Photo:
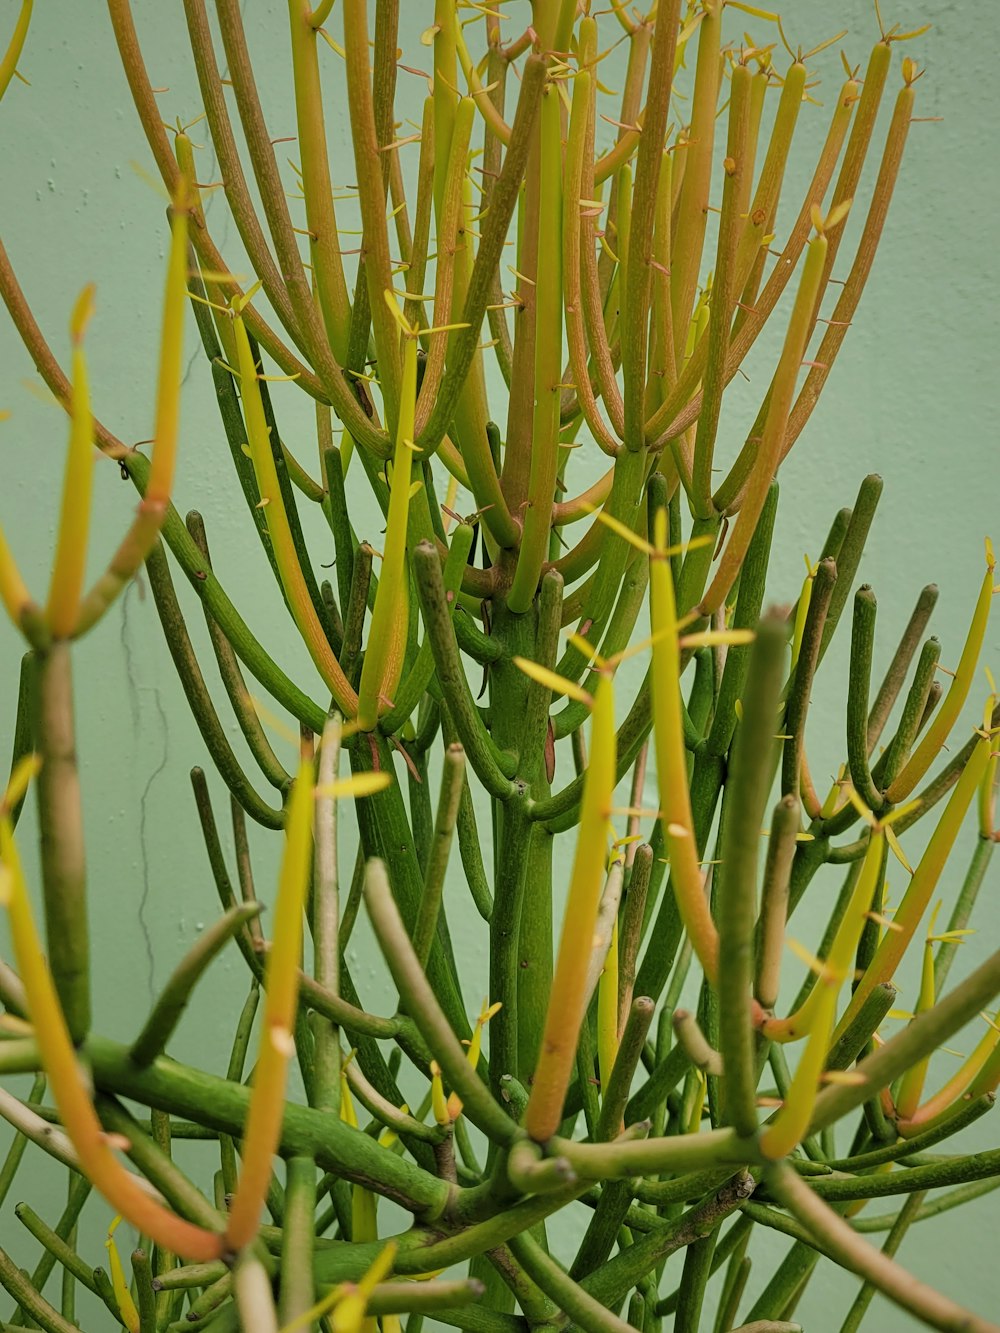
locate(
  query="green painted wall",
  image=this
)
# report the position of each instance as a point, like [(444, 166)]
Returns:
[(912, 398)]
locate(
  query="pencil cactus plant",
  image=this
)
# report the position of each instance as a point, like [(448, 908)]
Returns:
[(520, 303)]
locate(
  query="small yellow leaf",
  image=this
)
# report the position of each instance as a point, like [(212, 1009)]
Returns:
[(24, 771), (622, 529), (558, 684), (709, 637), (844, 1078), (897, 850), (360, 784)]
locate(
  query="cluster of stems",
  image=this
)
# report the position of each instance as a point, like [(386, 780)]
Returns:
[(522, 301)]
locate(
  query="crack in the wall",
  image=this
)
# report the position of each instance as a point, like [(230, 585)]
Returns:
[(136, 716)]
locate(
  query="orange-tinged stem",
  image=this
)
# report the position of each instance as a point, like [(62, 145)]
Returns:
[(692, 212), (281, 985), (72, 1098), (383, 663), (171, 370), (960, 1084), (843, 949), (921, 886), (74, 521), (791, 1123), (548, 364), (773, 436), (8, 65), (371, 199), (671, 759), (988, 1078), (911, 1085), (13, 590), (569, 984), (324, 245), (944, 719), (138, 541), (290, 571)]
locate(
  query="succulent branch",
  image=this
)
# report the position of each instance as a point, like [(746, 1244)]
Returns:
[(527, 358)]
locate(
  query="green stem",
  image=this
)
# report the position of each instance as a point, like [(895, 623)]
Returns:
[(774, 901), (859, 685), (196, 692), (34, 1305), (16, 1150), (869, 1018), (298, 1292), (145, 1294), (235, 685), (736, 886), (419, 677), (897, 751), (962, 910), (926, 1033), (488, 763), (638, 273), (615, 1278), (848, 1249), (234, 181), (724, 295), (585, 1311), (615, 1096), (321, 217), (803, 673), (849, 554), (175, 996), (420, 1001), (895, 676), (694, 1280), (944, 1203), (861, 1302), (60, 820), (79, 1193), (953, 1171), (50, 1240), (548, 367), (452, 782), (272, 194), (504, 199), (169, 1086)]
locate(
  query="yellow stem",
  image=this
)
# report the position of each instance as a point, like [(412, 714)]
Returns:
[(569, 984), (843, 949), (671, 759), (383, 663), (921, 886), (8, 66), (292, 580), (72, 1097), (281, 986), (791, 1123), (70, 565), (944, 719)]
